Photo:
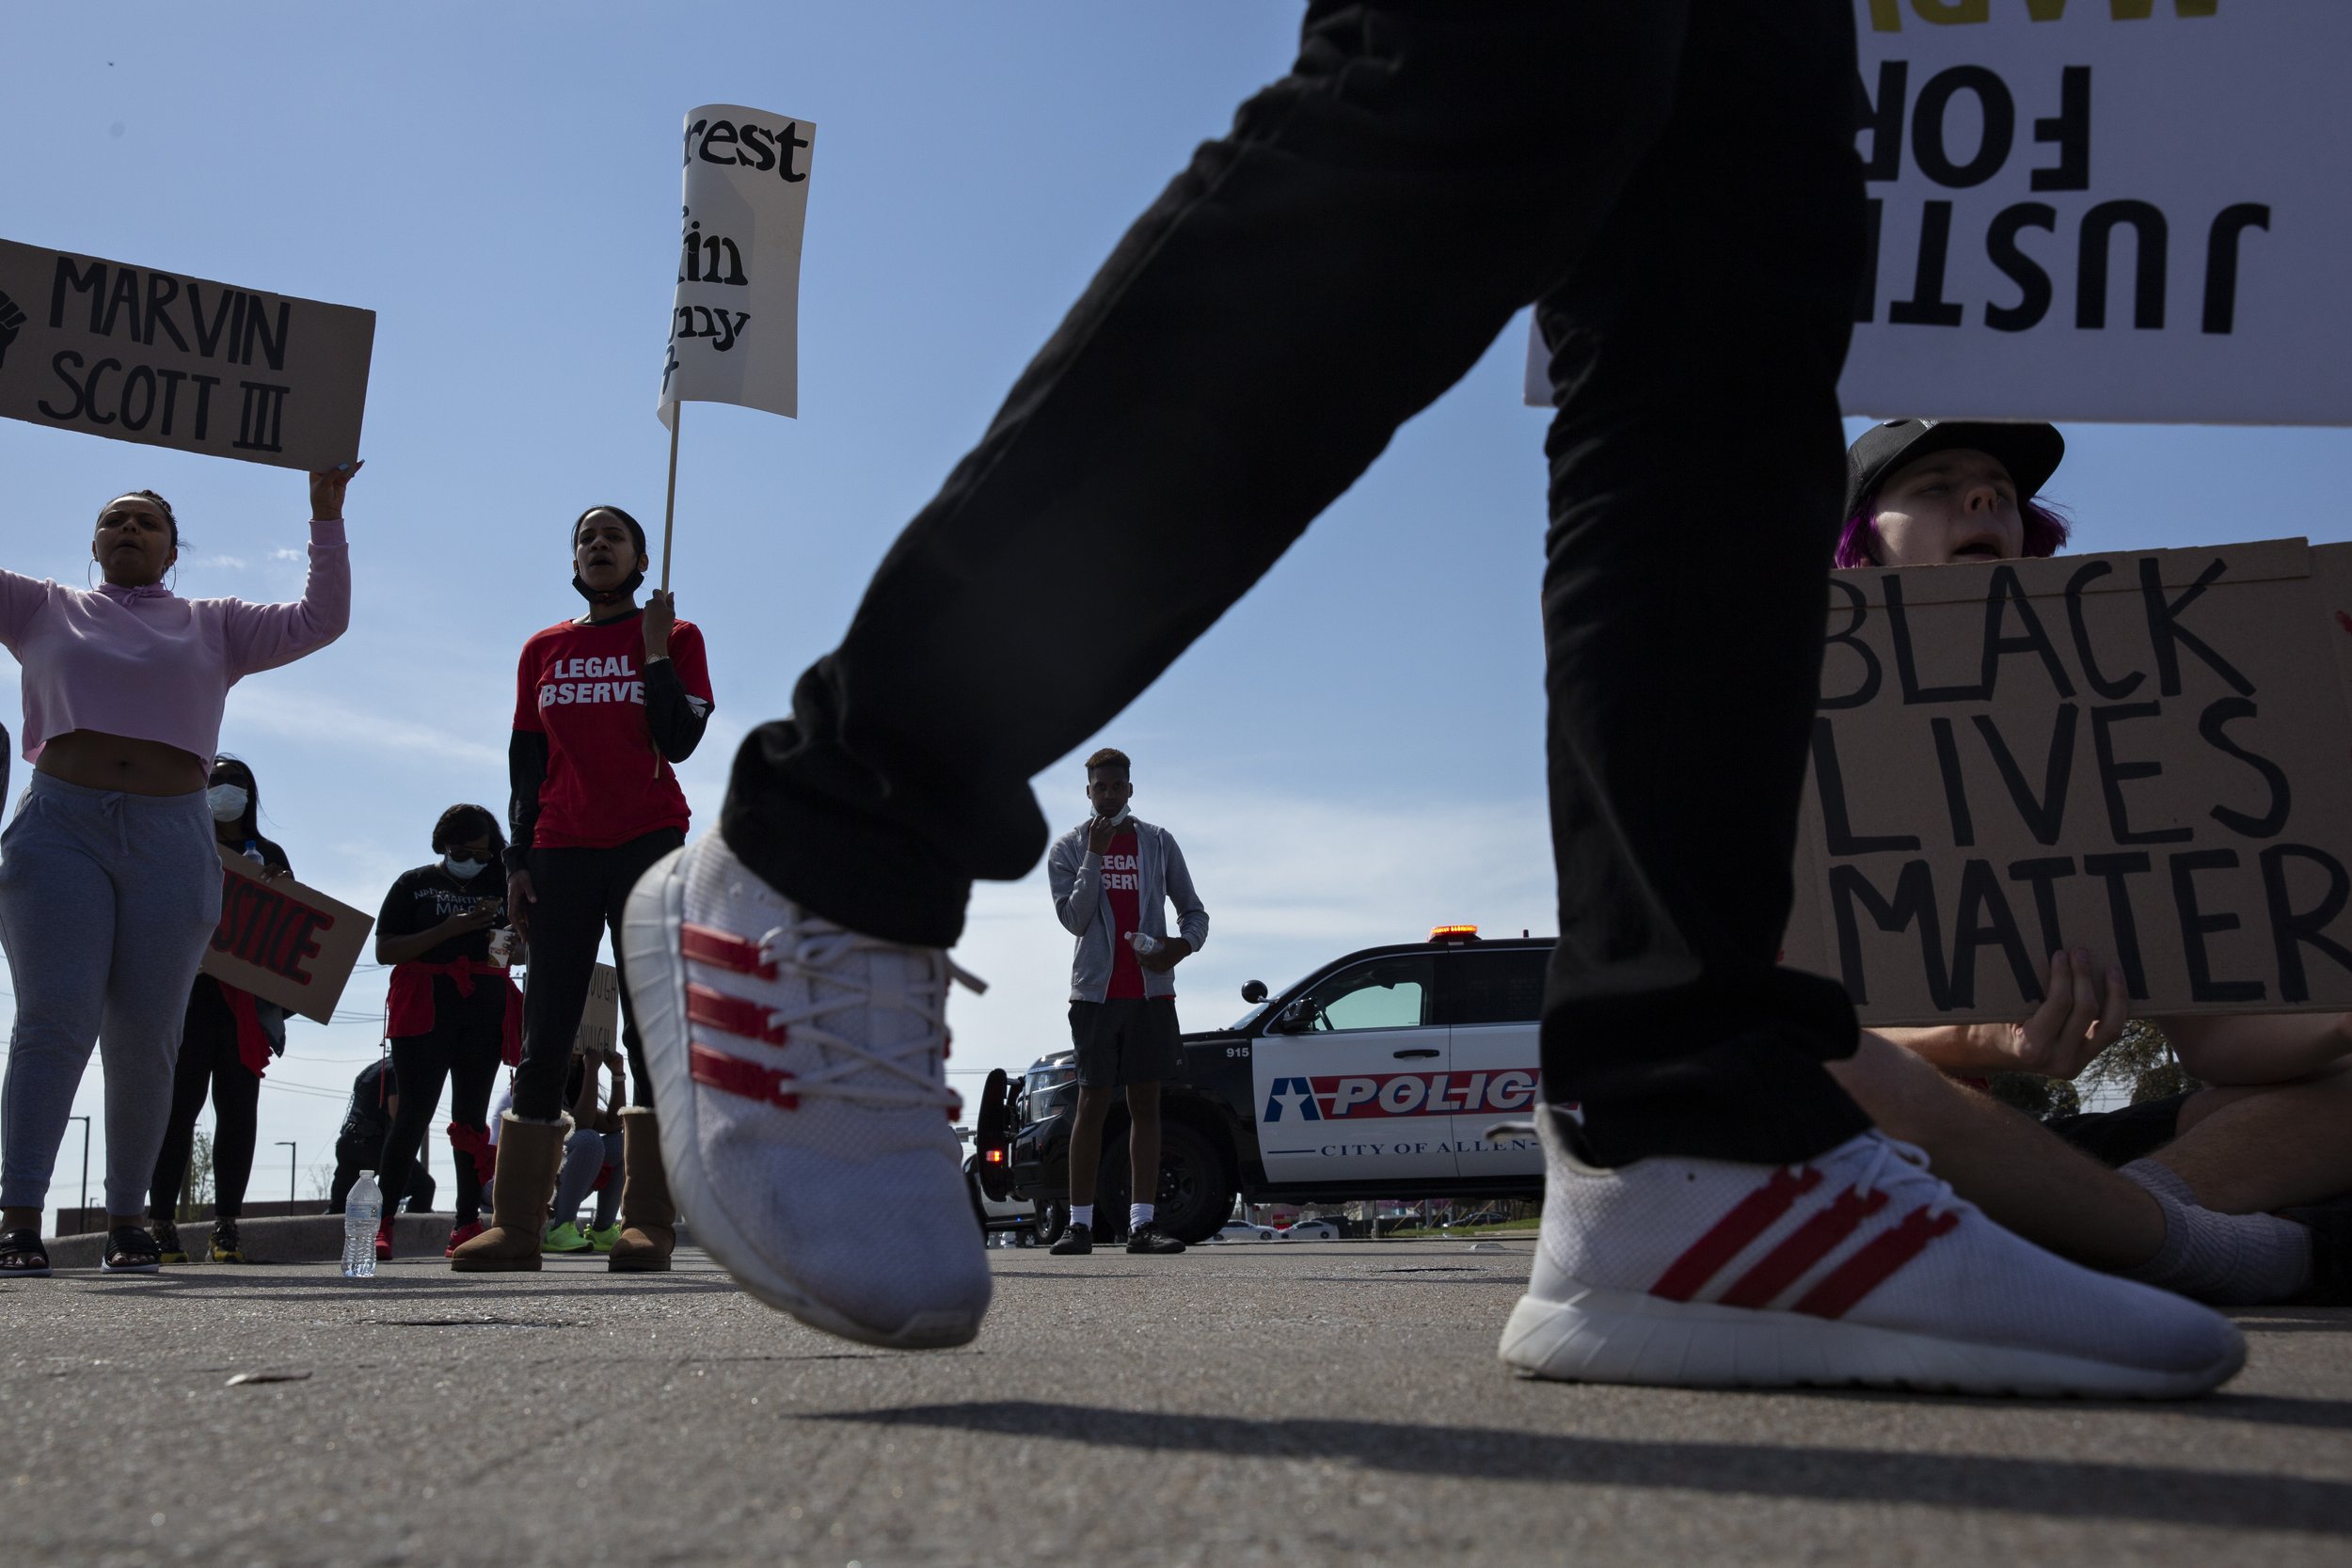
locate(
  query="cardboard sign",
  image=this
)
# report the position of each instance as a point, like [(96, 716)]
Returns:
[(2115, 210), (2146, 754), (137, 355), (284, 942), (600, 1020), (734, 332)]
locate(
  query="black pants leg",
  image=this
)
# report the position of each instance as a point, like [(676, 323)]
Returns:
[(420, 1064), (580, 896), (352, 1156), (1312, 282), (201, 1043), (236, 1125)]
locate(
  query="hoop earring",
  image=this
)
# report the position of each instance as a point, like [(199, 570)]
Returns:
[(173, 586), (89, 572)]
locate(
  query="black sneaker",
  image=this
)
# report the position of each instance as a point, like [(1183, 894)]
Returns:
[(1075, 1242), (130, 1250), (1151, 1238), (168, 1241), (226, 1247)]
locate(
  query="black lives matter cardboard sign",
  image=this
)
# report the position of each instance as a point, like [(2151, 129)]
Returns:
[(284, 942), (2146, 754), (139, 355)]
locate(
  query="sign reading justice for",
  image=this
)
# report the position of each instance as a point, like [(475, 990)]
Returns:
[(284, 942), (2145, 754)]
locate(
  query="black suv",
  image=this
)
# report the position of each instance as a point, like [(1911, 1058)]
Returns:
[(1377, 1076)]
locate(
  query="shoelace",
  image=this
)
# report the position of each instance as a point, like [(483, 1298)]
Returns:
[(1893, 1164), (812, 951)]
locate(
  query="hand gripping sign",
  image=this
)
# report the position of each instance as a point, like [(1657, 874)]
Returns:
[(284, 942), (2110, 210), (2146, 753), (136, 354)]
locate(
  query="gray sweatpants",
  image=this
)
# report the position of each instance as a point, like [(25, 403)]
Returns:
[(106, 904)]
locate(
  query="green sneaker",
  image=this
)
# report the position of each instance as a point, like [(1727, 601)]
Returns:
[(564, 1238), (602, 1239)]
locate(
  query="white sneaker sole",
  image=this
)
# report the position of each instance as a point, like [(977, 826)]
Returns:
[(656, 987), (1600, 1336)]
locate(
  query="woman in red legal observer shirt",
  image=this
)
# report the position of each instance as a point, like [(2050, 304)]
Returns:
[(603, 707), (454, 1012)]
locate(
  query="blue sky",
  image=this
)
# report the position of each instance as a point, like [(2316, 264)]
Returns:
[(1351, 756)]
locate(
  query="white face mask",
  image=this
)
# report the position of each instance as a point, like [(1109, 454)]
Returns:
[(226, 800), (465, 871)]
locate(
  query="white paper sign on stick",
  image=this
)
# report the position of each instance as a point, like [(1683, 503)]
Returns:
[(2126, 210), (734, 321)]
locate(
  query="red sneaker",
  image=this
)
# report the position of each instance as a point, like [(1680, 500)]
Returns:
[(384, 1240), (460, 1236)]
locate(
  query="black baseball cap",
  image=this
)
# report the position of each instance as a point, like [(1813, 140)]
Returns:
[(2030, 453)]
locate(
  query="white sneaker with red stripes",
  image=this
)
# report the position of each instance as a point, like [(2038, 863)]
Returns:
[(1856, 1267), (806, 1123)]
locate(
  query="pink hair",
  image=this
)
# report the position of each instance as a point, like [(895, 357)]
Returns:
[(2046, 530)]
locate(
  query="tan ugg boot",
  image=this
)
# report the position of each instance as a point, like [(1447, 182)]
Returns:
[(648, 1216), (530, 1155)]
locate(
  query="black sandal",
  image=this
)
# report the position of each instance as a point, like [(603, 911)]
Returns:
[(21, 1255), (130, 1249)]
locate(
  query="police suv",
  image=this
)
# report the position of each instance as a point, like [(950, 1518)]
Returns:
[(1377, 1076)]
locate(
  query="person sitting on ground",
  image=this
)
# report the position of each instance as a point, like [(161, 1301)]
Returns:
[(227, 1039), (2199, 1176), (592, 1160), (374, 1102)]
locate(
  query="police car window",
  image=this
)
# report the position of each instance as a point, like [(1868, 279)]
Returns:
[(1387, 993), (1495, 987)]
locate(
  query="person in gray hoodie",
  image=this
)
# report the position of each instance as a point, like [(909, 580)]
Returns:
[(1112, 876)]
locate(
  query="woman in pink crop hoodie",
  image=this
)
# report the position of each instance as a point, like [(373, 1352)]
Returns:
[(109, 882)]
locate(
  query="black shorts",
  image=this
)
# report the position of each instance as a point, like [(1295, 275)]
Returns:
[(2119, 1137), (1131, 1041)]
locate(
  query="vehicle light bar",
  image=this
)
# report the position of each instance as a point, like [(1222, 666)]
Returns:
[(1454, 933)]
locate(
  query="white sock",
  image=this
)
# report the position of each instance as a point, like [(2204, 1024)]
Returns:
[(1138, 1215), (2230, 1260), (1082, 1213)]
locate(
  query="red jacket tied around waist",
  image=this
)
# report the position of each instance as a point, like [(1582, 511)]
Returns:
[(411, 1009)]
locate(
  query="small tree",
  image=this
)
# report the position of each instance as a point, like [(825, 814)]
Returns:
[(196, 1190)]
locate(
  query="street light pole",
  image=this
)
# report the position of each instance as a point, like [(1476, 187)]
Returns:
[(287, 1143), (85, 1122)]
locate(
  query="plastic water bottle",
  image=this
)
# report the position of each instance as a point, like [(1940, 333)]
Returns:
[(362, 1211), (1142, 944)]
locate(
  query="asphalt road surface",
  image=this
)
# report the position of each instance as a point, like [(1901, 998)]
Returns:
[(1293, 1402)]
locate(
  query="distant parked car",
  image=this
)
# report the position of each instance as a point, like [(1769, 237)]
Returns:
[(1312, 1230), (1242, 1230)]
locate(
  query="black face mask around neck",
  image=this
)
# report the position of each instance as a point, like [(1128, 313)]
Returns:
[(614, 594)]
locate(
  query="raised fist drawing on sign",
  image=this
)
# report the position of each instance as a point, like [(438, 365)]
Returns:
[(10, 318)]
